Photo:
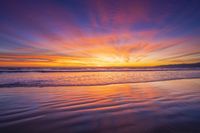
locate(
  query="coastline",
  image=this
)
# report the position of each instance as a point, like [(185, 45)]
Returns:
[(160, 106)]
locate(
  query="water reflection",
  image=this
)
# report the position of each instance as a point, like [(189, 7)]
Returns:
[(167, 106), (50, 79)]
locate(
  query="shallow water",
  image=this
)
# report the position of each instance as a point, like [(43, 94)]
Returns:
[(154, 107), (45, 79)]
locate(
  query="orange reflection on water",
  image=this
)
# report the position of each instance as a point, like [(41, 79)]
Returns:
[(124, 107)]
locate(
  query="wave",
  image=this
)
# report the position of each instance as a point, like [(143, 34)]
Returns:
[(49, 70), (18, 84), (35, 79)]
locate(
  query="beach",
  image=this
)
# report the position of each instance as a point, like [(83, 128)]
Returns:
[(100, 66), (170, 106)]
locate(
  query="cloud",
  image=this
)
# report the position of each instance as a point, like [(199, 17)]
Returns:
[(102, 32)]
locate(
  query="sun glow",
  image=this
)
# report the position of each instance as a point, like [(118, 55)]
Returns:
[(97, 35)]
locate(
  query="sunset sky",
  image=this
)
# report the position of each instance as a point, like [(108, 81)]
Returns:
[(80, 33)]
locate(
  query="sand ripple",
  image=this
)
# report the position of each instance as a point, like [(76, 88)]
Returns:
[(171, 106)]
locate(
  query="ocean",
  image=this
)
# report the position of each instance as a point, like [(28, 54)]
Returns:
[(99, 100)]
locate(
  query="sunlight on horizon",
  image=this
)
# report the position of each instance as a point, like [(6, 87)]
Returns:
[(100, 33)]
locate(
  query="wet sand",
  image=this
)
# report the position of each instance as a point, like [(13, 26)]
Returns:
[(153, 107)]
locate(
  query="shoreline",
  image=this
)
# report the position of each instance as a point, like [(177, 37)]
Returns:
[(99, 85)]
